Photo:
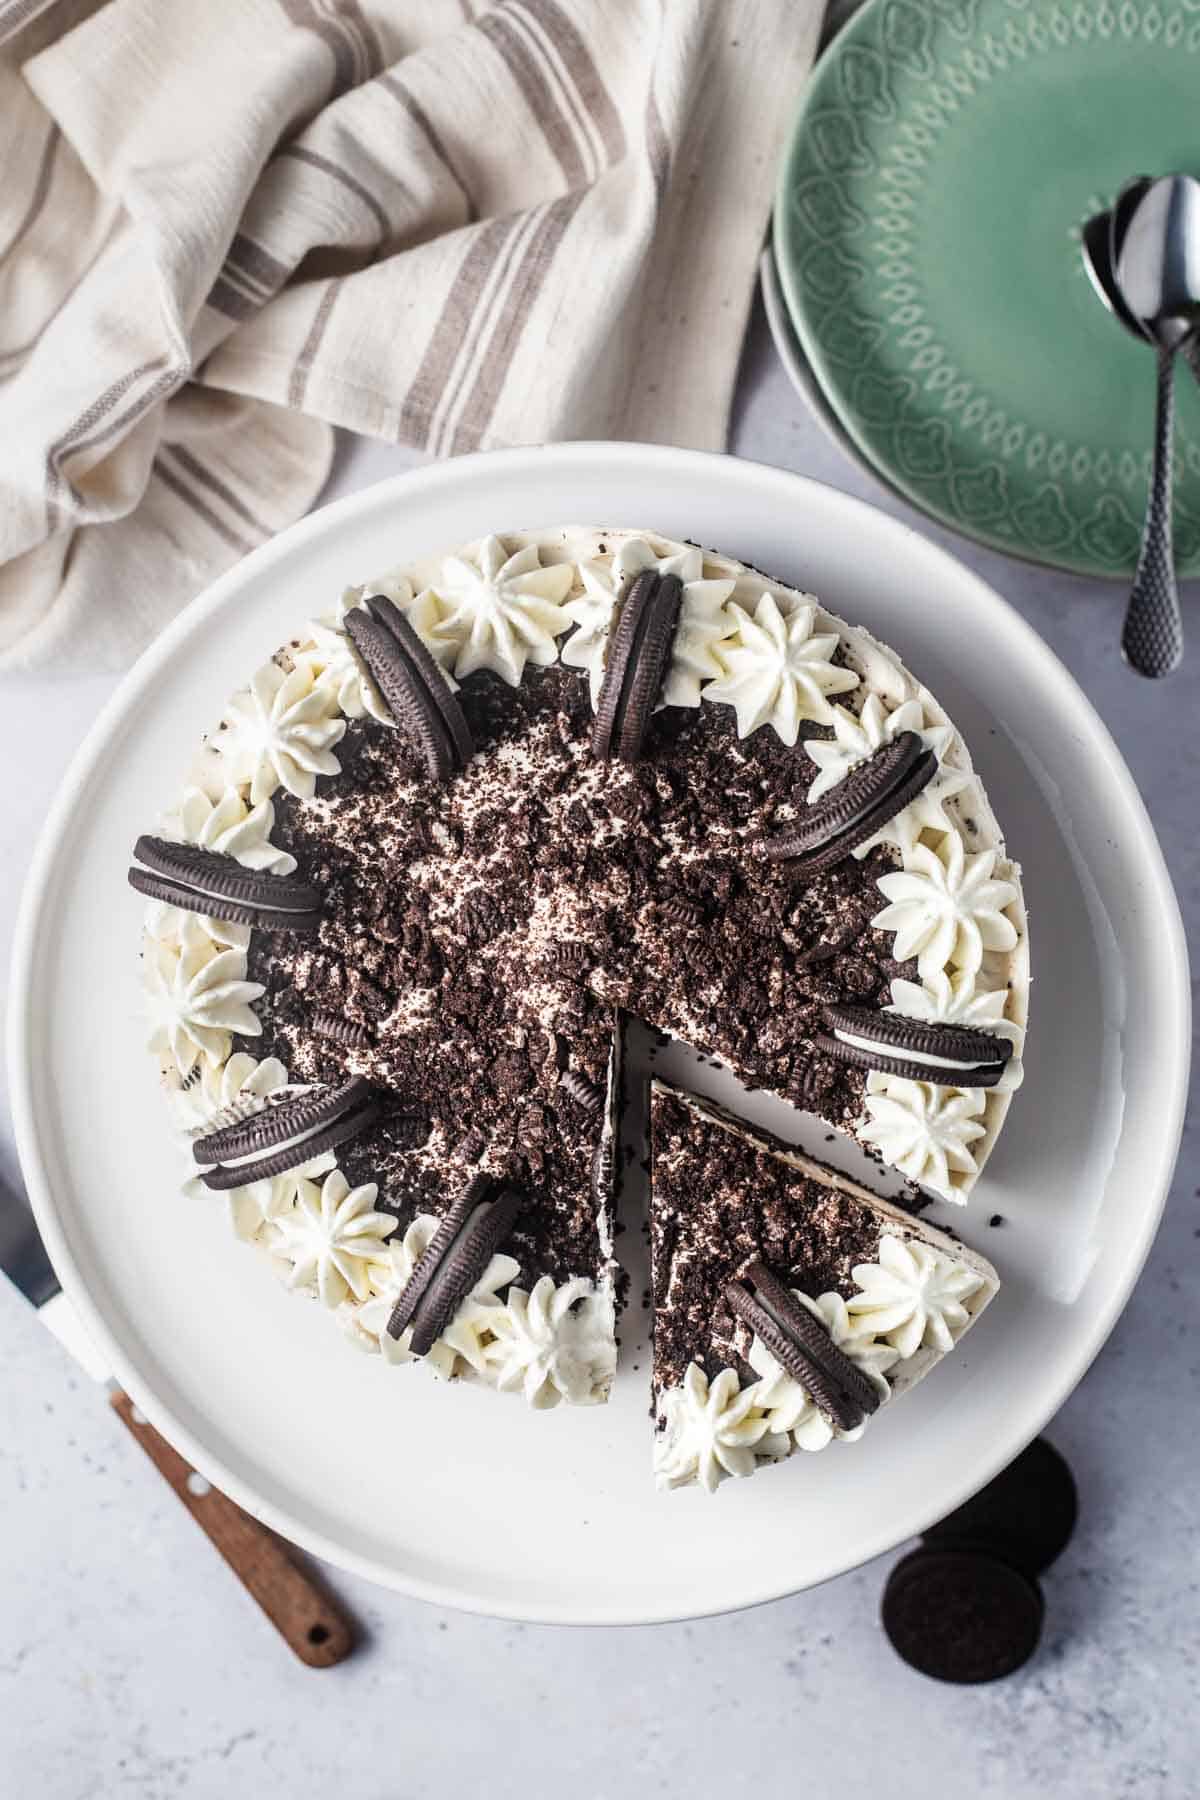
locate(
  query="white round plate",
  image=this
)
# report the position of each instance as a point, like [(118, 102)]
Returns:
[(455, 1494)]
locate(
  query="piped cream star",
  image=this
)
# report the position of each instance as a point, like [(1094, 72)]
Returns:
[(914, 1296), (198, 997), (547, 1345), (501, 612), (778, 669), (279, 733), (924, 1130), (946, 907), (711, 1430), (331, 1236)]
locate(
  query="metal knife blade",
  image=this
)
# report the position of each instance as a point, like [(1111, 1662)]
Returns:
[(23, 1259)]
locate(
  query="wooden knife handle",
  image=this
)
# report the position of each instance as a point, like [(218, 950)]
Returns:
[(307, 1618)]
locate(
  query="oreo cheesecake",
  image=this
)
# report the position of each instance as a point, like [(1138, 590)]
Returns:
[(790, 1303), (455, 829)]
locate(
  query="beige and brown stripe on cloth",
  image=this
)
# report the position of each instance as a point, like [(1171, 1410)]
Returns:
[(226, 228)]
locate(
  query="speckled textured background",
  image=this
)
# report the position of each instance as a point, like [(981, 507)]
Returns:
[(131, 1665)]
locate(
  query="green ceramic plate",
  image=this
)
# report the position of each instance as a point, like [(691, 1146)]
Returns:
[(927, 236)]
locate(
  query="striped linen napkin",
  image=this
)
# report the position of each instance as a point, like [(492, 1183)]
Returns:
[(226, 228)]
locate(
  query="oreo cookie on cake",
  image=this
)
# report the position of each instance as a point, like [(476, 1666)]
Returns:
[(212, 883), (414, 689)]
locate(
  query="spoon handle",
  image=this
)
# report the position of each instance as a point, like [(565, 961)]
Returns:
[(1152, 638)]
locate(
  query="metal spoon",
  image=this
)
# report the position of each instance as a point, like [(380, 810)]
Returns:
[(1158, 275), (1096, 235)]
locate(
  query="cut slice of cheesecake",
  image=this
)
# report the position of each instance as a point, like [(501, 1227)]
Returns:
[(789, 1302)]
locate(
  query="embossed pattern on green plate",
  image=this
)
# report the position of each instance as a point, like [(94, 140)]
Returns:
[(927, 236)]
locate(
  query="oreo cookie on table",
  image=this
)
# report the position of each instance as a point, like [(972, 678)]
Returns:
[(962, 1615), (801, 1345), (1026, 1515), (861, 804), (285, 1134), (460, 1250), (206, 881), (413, 687), (639, 654), (954, 1055)]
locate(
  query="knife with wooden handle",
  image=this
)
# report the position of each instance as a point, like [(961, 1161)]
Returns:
[(306, 1616)]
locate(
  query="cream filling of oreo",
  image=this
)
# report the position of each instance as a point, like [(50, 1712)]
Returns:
[(924, 1058), (196, 886), (263, 1150)]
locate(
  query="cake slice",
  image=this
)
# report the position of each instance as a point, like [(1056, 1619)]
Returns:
[(789, 1302)]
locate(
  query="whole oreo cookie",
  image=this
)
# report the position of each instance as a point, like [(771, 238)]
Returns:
[(857, 808), (390, 616), (477, 1222), (962, 1615), (463, 1266), (651, 661), (413, 687), (801, 1345), (1026, 1515), (639, 652), (953, 1055), (206, 881), (286, 1134)]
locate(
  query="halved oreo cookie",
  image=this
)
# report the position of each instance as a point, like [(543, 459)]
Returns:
[(285, 1134), (458, 1253), (639, 652), (857, 808), (800, 1344), (413, 687), (954, 1055), (206, 881)]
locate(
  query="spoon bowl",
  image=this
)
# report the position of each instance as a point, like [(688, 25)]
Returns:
[(1097, 261), (1156, 256), (1123, 208)]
